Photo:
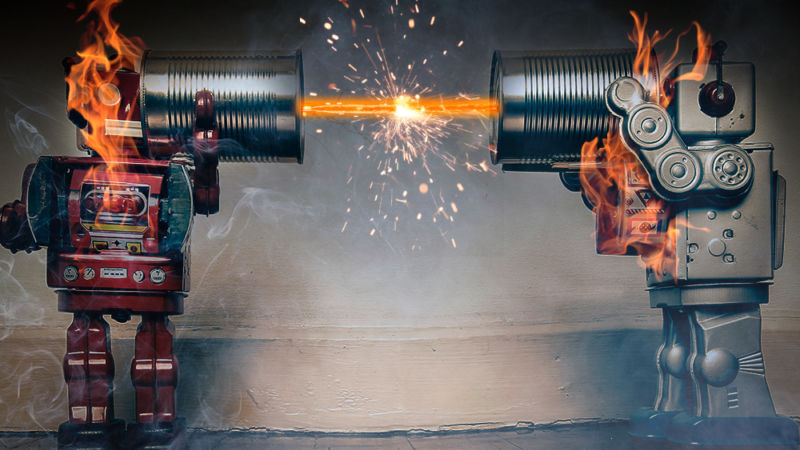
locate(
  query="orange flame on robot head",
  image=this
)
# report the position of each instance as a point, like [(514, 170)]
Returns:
[(106, 61), (94, 95), (631, 219)]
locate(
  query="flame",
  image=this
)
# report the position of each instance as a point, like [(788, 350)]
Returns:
[(612, 180), (95, 96), (631, 219), (649, 72), (92, 91)]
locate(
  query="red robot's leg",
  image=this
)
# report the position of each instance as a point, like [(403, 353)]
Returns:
[(154, 372), (89, 373)]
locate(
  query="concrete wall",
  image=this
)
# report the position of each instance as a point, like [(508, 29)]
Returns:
[(294, 324)]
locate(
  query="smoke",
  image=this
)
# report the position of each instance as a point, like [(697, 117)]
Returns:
[(35, 393), (268, 206), (26, 114), (18, 308), (27, 138), (27, 388)]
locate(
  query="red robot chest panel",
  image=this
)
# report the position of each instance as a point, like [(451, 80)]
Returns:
[(115, 229), (114, 211)]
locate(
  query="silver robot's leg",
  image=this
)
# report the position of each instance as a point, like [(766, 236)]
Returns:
[(732, 406), (674, 385)]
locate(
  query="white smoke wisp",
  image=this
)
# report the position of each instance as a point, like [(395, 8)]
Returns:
[(30, 393), (43, 405), (27, 138), (269, 206), (18, 308)]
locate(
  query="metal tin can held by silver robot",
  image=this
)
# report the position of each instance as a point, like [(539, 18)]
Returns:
[(551, 103)]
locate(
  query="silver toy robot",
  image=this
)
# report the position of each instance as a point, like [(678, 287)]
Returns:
[(719, 210)]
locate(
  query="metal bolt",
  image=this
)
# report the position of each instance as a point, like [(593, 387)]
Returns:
[(716, 247), (736, 214), (678, 170), (729, 168), (649, 125), (711, 215)]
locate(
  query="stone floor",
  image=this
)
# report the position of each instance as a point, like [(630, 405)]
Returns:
[(563, 437)]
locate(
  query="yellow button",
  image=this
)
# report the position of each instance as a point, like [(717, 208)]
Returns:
[(134, 247)]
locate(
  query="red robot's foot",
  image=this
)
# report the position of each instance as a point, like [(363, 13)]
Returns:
[(92, 436), (154, 372)]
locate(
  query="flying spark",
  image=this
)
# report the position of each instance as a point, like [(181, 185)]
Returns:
[(393, 98)]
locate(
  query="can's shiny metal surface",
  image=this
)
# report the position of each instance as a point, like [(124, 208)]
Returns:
[(257, 100), (550, 104)]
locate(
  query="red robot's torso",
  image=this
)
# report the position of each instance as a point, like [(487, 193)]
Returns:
[(117, 233)]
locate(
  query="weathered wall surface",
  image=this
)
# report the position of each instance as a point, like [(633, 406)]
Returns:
[(294, 324)]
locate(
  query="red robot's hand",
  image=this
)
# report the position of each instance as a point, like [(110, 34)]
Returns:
[(15, 234)]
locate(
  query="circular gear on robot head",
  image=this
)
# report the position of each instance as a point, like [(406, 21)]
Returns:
[(648, 126), (731, 169), (678, 172)]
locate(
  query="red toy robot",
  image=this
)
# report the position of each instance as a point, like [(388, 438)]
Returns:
[(116, 224)]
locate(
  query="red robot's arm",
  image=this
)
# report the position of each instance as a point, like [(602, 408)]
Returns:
[(15, 232)]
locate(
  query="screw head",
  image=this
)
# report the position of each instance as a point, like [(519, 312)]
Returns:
[(678, 170)]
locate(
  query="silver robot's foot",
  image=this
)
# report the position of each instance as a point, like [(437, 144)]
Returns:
[(674, 386), (648, 425), (733, 403), (774, 433)]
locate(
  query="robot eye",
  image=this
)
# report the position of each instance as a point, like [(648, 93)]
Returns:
[(717, 99)]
